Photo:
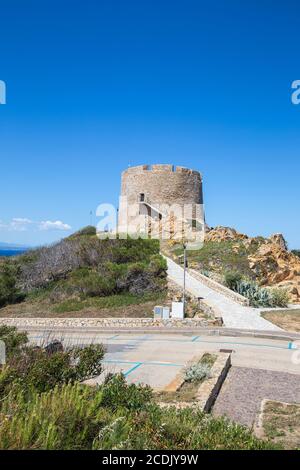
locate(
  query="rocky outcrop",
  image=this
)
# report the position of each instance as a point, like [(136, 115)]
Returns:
[(224, 233), (274, 265), (278, 239), (269, 258)]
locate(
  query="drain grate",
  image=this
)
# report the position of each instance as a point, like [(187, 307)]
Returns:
[(226, 350)]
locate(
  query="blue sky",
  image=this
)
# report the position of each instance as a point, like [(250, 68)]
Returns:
[(95, 86)]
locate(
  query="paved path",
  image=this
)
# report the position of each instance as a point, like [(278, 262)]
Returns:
[(234, 315), (244, 389)]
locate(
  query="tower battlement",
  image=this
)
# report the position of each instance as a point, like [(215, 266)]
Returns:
[(159, 168)]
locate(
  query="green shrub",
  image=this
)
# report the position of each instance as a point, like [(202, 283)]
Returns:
[(117, 393), (200, 370), (205, 272), (73, 417), (94, 284), (34, 369), (232, 279), (262, 297), (197, 372), (280, 297), (131, 251), (13, 339), (296, 253), (67, 417), (258, 297), (9, 293), (158, 265), (89, 230)]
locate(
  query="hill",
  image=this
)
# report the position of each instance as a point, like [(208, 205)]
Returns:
[(83, 272)]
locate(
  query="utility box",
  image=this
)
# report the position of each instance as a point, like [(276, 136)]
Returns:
[(166, 313), (158, 311), (177, 310)]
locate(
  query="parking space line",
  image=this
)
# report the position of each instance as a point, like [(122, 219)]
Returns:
[(132, 369), (195, 338)]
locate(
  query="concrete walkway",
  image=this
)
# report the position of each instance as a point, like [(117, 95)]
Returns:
[(233, 314)]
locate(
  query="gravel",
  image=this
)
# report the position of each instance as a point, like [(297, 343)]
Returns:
[(244, 389)]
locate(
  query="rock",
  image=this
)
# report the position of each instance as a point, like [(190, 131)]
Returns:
[(278, 239), (220, 234), (269, 259), (53, 347)]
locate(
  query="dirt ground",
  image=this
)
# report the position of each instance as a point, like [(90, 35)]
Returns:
[(289, 321), (34, 310), (280, 423)]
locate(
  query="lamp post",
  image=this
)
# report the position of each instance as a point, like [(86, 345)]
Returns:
[(184, 277)]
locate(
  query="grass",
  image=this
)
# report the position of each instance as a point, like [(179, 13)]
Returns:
[(220, 257), (281, 424), (110, 302), (118, 306), (288, 320), (74, 417)]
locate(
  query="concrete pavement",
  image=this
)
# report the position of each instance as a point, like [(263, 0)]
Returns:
[(155, 359), (233, 314)]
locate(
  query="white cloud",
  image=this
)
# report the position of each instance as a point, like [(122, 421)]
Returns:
[(22, 224), (22, 220), (57, 225)]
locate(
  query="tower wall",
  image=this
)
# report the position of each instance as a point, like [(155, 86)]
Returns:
[(162, 184), (158, 185)]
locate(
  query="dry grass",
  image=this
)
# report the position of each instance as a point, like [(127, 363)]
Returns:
[(288, 320), (281, 424), (39, 310)]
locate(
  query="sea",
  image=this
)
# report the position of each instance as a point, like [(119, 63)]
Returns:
[(11, 252)]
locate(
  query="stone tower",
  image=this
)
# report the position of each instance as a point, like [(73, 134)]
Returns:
[(161, 199)]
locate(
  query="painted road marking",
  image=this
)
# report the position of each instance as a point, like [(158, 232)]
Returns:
[(195, 338), (136, 364), (132, 369)]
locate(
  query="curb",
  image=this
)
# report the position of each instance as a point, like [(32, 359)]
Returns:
[(218, 331), (209, 390)]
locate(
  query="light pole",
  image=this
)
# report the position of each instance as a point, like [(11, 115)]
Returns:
[(184, 277)]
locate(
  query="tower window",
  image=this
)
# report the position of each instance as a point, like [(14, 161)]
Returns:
[(142, 197)]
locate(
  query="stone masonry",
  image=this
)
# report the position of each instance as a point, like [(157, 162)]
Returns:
[(156, 198)]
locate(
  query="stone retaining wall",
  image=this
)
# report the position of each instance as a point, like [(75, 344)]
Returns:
[(212, 284), (209, 389), (210, 310), (109, 322)]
